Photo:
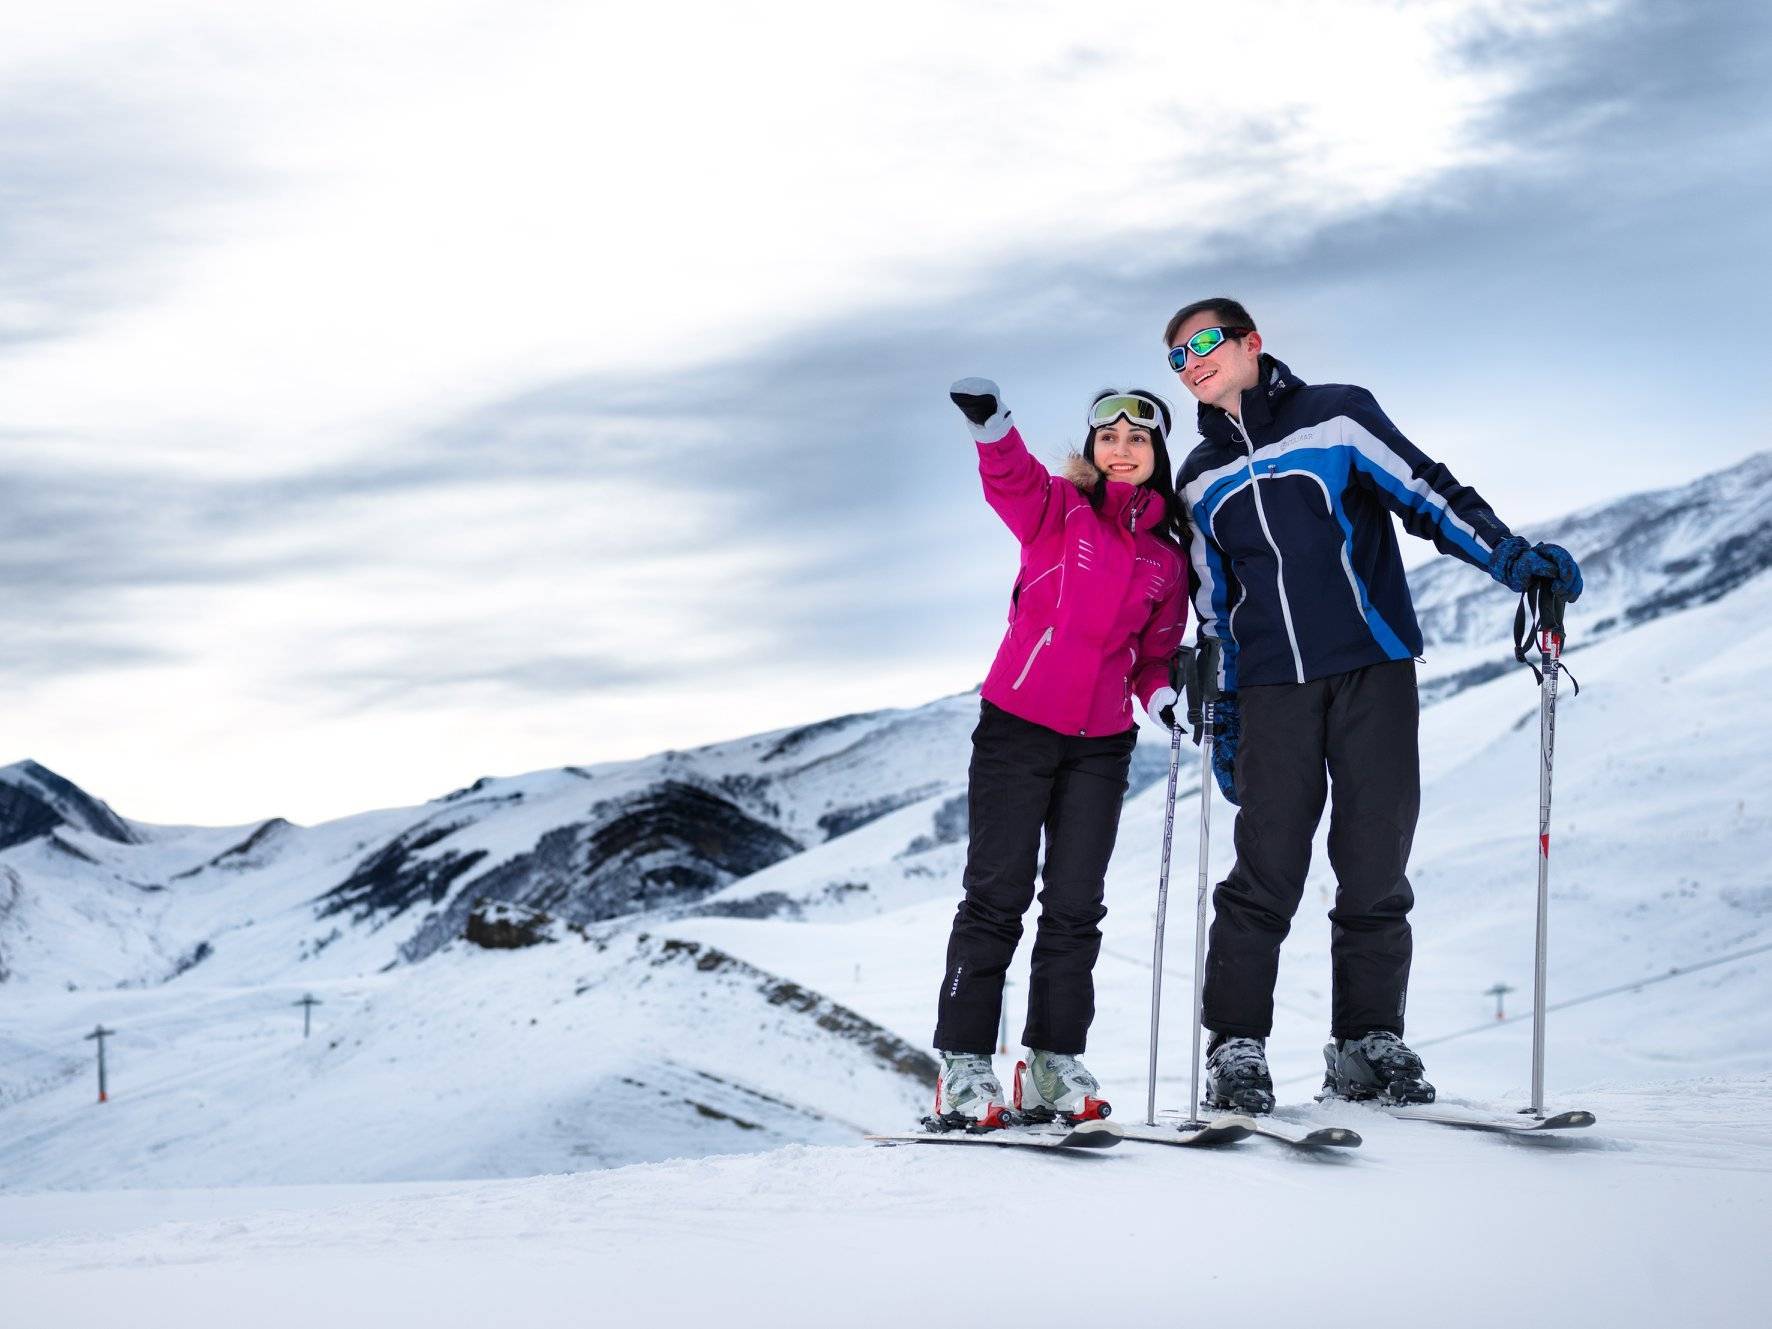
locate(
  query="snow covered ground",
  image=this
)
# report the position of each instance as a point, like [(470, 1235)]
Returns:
[(659, 1116), (1658, 1219)]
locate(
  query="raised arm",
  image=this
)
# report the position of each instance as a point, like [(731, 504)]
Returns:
[(1015, 484)]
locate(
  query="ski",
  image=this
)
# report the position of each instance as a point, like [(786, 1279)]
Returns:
[(1324, 1137), (1483, 1121), (1220, 1130), (1098, 1134)]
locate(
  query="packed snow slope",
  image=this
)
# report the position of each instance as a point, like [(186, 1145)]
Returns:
[(1658, 1220)]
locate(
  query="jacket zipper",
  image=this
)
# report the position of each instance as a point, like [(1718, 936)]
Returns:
[(1045, 640), (1279, 561)]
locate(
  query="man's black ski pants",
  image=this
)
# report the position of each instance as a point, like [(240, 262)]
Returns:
[(1026, 778), (1357, 730)]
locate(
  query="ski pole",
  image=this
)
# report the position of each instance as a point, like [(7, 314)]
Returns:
[(1547, 624), (1203, 693), (1178, 667)]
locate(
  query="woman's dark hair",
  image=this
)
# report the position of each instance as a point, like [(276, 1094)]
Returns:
[(1162, 481), (1230, 313)]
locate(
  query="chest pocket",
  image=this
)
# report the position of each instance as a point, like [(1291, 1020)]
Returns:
[(1236, 526)]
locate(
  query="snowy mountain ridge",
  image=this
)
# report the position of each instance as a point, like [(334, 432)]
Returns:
[(794, 888), (698, 829), (1641, 557)]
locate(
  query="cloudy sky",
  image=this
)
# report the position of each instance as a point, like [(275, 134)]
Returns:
[(394, 394)]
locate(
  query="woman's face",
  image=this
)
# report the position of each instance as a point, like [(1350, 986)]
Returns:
[(1124, 452)]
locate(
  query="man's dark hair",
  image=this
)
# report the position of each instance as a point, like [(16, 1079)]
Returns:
[(1229, 313)]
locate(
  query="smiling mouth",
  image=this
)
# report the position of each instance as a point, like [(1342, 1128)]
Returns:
[(1200, 381)]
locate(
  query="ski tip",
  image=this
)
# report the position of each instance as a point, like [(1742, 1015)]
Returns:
[(1224, 1130), (1335, 1137), (1564, 1121), (1098, 1133)]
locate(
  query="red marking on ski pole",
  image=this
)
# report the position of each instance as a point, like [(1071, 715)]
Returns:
[(1544, 845)]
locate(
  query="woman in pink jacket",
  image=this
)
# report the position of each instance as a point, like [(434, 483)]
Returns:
[(1095, 618)]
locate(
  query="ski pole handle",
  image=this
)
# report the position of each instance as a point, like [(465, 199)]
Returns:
[(1549, 603), (1203, 689), (1187, 683)]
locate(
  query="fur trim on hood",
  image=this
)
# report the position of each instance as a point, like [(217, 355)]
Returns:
[(1081, 472)]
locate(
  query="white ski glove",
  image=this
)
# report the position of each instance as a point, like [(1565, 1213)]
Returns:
[(981, 402), (1161, 711)]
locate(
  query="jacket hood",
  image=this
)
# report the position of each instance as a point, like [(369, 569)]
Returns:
[(1082, 473), (1277, 382)]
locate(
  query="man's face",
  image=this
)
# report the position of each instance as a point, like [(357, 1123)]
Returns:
[(1220, 378)]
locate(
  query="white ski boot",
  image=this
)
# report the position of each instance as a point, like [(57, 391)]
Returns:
[(1051, 1084), (968, 1096)]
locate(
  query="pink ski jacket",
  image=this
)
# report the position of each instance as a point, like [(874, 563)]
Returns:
[(1100, 604)]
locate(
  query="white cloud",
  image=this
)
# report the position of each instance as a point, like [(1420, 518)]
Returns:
[(394, 213), (431, 205)]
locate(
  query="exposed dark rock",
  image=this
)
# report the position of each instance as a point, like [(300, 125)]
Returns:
[(840, 821), (480, 786), (396, 877), (69, 850), (795, 739), (1642, 557), (671, 844), (885, 1046), (11, 892), (248, 853), (1438, 689), (34, 800), (499, 925), (191, 958), (950, 826), (765, 904)]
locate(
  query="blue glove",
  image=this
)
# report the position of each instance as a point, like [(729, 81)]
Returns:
[(1516, 564), (1565, 575), (1227, 727), (981, 402)]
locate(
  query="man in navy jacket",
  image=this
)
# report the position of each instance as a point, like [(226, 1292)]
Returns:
[(1290, 496)]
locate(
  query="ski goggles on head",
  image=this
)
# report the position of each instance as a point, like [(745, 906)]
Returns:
[(1140, 411), (1203, 343)]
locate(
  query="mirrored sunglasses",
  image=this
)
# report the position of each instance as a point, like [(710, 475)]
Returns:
[(1203, 343)]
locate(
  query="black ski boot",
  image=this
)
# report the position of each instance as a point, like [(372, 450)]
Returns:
[(1237, 1079), (1380, 1066)]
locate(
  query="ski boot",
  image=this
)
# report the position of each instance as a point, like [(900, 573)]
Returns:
[(1377, 1066), (968, 1096), (1051, 1084), (1237, 1078)]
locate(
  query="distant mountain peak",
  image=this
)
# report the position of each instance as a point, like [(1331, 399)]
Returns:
[(35, 801), (1642, 557)]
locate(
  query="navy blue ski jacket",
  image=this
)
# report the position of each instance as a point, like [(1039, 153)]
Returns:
[(1295, 556)]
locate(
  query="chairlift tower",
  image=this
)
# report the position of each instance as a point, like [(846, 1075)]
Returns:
[(307, 1004), (100, 1034)]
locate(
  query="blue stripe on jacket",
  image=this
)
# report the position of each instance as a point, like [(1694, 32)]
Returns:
[(1362, 469)]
